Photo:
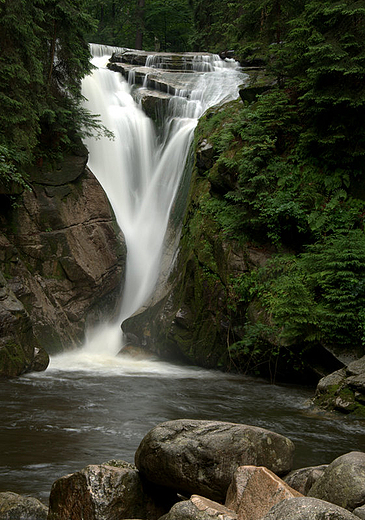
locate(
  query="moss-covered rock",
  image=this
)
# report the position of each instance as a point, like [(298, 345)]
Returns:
[(344, 390)]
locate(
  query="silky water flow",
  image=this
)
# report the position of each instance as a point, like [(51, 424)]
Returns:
[(141, 171)]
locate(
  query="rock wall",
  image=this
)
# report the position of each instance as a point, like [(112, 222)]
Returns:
[(62, 256)]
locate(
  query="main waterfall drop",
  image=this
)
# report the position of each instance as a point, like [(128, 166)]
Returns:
[(141, 168)]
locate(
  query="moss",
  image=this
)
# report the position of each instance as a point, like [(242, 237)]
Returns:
[(13, 360), (342, 399)]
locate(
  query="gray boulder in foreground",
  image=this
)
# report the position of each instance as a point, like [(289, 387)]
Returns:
[(308, 509), (343, 481), (18, 507), (200, 457), (107, 491)]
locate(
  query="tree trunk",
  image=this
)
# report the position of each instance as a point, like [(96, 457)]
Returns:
[(140, 23)]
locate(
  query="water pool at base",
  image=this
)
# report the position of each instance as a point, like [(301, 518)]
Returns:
[(57, 422)]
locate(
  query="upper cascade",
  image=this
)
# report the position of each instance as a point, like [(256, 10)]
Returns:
[(186, 61), (176, 74)]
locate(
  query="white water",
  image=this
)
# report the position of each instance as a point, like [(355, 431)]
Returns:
[(140, 173)]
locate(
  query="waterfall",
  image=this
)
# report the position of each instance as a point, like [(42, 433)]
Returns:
[(141, 170)]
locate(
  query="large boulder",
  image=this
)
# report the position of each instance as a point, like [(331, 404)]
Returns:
[(199, 508), (200, 457), (18, 507), (107, 491), (308, 509), (254, 491), (343, 481)]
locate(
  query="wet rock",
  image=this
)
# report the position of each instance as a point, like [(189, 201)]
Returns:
[(343, 481), (20, 351), (254, 491), (199, 508), (103, 492), (308, 509), (303, 479), (18, 507), (163, 60), (200, 457), (154, 103)]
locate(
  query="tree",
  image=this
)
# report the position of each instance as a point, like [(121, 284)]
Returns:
[(325, 61), (43, 57), (169, 22)]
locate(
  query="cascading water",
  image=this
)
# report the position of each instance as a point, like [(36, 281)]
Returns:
[(141, 171)]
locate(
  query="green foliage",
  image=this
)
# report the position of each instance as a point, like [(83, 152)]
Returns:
[(166, 24), (327, 43), (43, 57), (318, 296), (336, 276)]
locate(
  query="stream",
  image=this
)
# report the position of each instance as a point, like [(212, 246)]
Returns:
[(59, 421)]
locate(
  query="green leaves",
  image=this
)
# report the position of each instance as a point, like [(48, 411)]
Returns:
[(43, 57)]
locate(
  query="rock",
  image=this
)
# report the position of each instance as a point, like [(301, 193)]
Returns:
[(254, 491), (360, 512), (344, 390), (303, 479), (40, 361), (343, 481), (18, 507), (199, 508), (200, 457), (332, 381), (356, 368), (63, 255), (154, 104), (108, 491), (20, 351), (259, 82), (163, 60), (61, 172), (204, 156), (307, 509)]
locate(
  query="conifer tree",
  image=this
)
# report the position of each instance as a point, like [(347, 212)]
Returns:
[(325, 58), (43, 57)]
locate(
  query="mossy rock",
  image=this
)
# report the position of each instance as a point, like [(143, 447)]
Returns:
[(13, 360)]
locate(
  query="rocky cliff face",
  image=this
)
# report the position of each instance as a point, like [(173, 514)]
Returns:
[(62, 256)]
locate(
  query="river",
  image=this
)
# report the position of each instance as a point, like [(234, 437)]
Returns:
[(59, 421)]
